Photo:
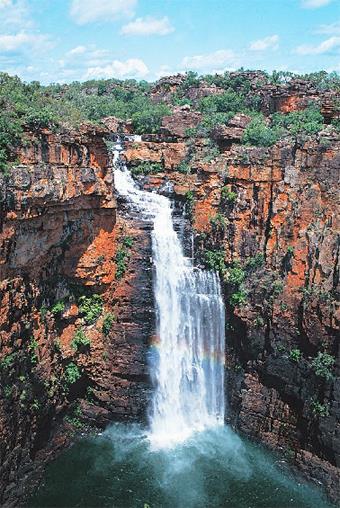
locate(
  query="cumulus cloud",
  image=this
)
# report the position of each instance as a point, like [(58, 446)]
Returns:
[(216, 59), (22, 40), (131, 68), (148, 26), (88, 11), (315, 4), (270, 42), (323, 47)]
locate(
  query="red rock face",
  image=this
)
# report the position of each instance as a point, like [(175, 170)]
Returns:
[(180, 121), (59, 237)]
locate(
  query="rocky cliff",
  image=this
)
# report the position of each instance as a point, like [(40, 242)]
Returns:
[(267, 219), (70, 351), (76, 279)]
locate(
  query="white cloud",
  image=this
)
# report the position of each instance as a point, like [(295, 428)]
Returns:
[(270, 42), (88, 11), (78, 50), (216, 59), (21, 40), (315, 4), (323, 47), (148, 26), (15, 14), (331, 29), (131, 68)]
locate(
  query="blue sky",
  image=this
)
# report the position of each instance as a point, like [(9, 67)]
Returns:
[(66, 40)]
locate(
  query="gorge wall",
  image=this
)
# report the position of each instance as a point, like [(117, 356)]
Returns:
[(76, 282), (269, 215), (59, 239)]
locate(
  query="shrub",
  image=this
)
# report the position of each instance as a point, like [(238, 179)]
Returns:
[(149, 119), (228, 196), (107, 323), (214, 260), (127, 241), (229, 101), (319, 409), (90, 308), (80, 340), (259, 321), (58, 308), (147, 168), (7, 361), (257, 133), (236, 275), (323, 365), (218, 222), (71, 374), (189, 202), (184, 168), (255, 262), (122, 256), (239, 298), (295, 355), (308, 121)]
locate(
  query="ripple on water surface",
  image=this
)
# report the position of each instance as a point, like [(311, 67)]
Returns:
[(214, 468)]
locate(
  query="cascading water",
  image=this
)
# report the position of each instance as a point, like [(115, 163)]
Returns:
[(213, 468), (189, 367)]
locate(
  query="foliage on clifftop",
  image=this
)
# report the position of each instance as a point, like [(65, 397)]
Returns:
[(33, 106)]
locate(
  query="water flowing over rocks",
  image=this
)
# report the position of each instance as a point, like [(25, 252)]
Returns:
[(272, 212)]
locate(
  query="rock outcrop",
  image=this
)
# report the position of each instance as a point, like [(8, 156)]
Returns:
[(59, 240)]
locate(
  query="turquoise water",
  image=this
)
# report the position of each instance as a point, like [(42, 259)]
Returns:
[(214, 468)]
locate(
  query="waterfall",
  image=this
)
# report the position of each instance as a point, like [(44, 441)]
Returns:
[(188, 366)]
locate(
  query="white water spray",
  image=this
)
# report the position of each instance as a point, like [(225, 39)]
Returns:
[(189, 368)]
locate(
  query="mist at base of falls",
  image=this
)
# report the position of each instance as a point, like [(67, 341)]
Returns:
[(214, 468)]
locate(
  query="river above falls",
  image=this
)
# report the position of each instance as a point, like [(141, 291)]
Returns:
[(214, 468)]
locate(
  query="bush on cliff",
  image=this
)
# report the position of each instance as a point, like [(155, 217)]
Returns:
[(257, 133), (309, 121)]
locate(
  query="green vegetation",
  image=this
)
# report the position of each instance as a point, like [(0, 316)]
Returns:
[(307, 121), (255, 262), (107, 323), (228, 196), (235, 275), (218, 222), (147, 168), (122, 256), (71, 374), (7, 361), (323, 365), (80, 340), (58, 308), (56, 106), (295, 355), (90, 307), (238, 298), (189, 202), (258, 133), (32, 348), (214, 260), (184, 168), (319, 409)]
